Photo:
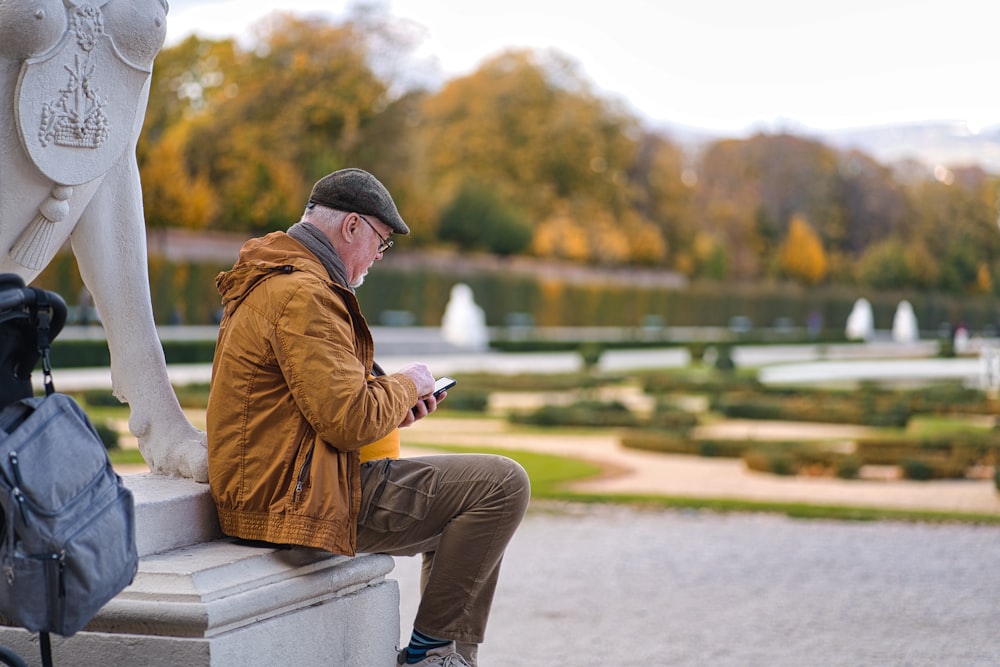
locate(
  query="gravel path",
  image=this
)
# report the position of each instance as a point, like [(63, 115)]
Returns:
[(611, 586)]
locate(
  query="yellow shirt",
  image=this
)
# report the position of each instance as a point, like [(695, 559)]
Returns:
[(386, 448)]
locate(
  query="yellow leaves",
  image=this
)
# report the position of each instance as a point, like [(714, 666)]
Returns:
[(648, 244), (172, 197), (559, 235), (802, 255), (590, 234), (984, 281)]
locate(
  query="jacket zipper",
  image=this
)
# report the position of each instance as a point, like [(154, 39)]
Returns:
[(303, 475), (18, 483)]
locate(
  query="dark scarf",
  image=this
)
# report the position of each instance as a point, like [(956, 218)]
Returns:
[(308, 235)]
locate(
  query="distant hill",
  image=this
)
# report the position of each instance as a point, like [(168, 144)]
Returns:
[(946, 143)]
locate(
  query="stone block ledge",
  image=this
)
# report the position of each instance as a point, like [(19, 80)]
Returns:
[(213, 588), (200, 599), (171, 513)]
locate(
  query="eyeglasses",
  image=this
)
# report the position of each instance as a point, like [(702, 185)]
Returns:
[(385, 242)]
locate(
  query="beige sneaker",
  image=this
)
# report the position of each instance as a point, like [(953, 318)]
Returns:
[(446, 656)]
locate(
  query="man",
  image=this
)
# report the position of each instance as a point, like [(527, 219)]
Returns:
[(302, 423)]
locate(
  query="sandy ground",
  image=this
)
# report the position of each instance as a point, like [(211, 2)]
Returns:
[(600, 586), (610, 586)]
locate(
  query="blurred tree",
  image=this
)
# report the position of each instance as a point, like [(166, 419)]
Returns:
[(529, 124), (884, 265), (172, 196), (234, 138), (187, 81), (802, 254), (922, 264), (264, 123), (749, 190), (477, 219), (956, 215), (663, 194), (872, 203)]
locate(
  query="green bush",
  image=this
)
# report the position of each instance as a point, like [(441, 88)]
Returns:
[(700, 381), (479, 218), (80, 354), (819, 406), (916, 469), (590, 355), (848, 467), (541, 382), (664, 442), (108, 434), (727, 449), (94, 353), (189, 351), (923, 469), (667, 417), (193, 396), (98, 398), (769, 460), (466, 401), (960, 450), (724, 358), (874, 451), (582, 413)]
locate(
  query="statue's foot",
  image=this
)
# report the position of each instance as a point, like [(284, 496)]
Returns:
[(176, 452)]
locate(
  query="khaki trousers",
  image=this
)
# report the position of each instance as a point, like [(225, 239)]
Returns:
[(459, 511)]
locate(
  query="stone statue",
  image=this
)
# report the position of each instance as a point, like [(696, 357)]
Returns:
[(464, 322), (860, 321), (904, 324), (74, 75)]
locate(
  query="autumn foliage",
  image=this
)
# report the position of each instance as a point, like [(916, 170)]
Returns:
[(522, 155)]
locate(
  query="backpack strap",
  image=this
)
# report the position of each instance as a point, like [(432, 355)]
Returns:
[(45, 647), (40, 310)]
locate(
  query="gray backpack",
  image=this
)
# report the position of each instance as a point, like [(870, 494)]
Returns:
[(69, 543), (67, 529)]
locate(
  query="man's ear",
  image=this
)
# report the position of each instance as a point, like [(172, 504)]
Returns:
[(349, 227)]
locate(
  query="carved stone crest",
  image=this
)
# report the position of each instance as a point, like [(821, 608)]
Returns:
[(65, 120)]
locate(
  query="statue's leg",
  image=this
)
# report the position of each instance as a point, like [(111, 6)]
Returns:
[(110, 246)]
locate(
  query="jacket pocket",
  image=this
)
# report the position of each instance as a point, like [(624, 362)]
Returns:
[(396, 493)]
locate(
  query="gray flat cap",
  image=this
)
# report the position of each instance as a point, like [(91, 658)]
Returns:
[(357, 191)]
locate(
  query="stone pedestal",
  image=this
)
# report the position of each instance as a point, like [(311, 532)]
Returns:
[(200, 599)]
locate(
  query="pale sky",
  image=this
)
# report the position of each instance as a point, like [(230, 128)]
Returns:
[(723, 65)]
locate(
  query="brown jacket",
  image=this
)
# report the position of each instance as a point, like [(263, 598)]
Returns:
[(292, 400)]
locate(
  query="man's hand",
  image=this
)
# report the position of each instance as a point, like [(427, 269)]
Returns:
[(424, 379), (426, 405), (421, 376)]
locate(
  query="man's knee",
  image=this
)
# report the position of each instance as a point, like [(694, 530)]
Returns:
[(514, 481)]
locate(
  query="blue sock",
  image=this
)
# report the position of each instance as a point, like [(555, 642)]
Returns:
[(420, 644)]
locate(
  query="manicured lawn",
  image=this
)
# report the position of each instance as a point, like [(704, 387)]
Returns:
[(550, 475)]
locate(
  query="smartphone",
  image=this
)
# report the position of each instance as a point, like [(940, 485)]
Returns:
[(444, 384), (440, 386)]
